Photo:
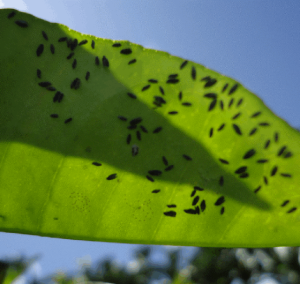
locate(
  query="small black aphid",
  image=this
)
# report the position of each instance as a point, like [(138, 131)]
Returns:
[(257, 189), (264, 124), (236, 116), (150, 178), (136, 120), (220, 201), (285, 203), (122, 118), (207, 78), (131, 61), (203, 205), (126, 51), (173, 76), (239, 102), (211, 132), (68, 120), (97, 61), (117, 44), (197, 209), (87, 76), (210, 83), (233, 89), (274, 171), (58, 97), (241, 170), (256, 114), (74, 64), (169, 168), (211, 95), (69, 42), (224, 161), (52, 48), (61, 95), (161, 90), (165, 161), (288, 154), (44, 35), (173, 112), (252, 131), (143, 129), (138, 135), (22, 23), (105, 61), (172, 81), (266, 180), (156, 191), (193, 73), (171, 206), (152, 81), (198, 188), (112, 176), (96, 164), (128, 139), (195, 201), (131, 95), (244, 175), (51, 88), (83, 42), (155, 172), (276, 136), (286, 175), (221, 180), (237, 129), (186, 104), (131, 127), (54, 115), (212, 105), (74, 44), (93, 44), (225, 87), (145, 88), (75, 84), (180, 96), (221, 127), (158, 129), (134, 150), (11, 14), (292, 210), (40, 50), (39, 73), (170, 213), (190, 211), (280, 152), (188, 158), (222, 210), (193, 193), (249, 154), (230, 103), (62, 39), (44, 84), (267, 144), (262, 161), (184, 63), (70, 55)]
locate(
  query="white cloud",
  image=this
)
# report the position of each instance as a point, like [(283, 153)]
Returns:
[(15, 4)]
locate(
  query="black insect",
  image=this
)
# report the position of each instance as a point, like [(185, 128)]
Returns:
[(292, 210), (233, 89), (68, 120), (276, 136), (193, 193), (93, 44), (152, 81), (155, 172), (136, 121), (236, 116), (170, 213), (143, 129), (70, 55), (244, 175), (51, 88), (222, 210), (249, 154), (74, 64), (262, 161), (221, 127), (11, 14), (40, 50), (62, 39), (105, 61), (126, 51), (116, 44), (131, 95), (75, 84), (280, 152), (134, 150), (230, 103), (257, 189), (220, 201), (203, 205), (264, 124), (52, 48), (195, 201), (83, 42), (97, 61), (211, 131), (274, 171), (286, 175), (212, 105), (241, 170), (211, 95), (256, 114), (156, 191), (161, 90), (172, 81), (172, 206), (150, 178), (285, 203), (96, 164), (221, 180), (180, 96), (138, 135), (239, 102), (186, 104), (54, 115), (165, 161), (188, 158), (224, 161), (225, 87), (190, 211), (266, 180), (158, 129), (45, 35), (267, 144), (87, 76), (183, 64), (252, 131), (74, 44), (122, 118), (128, 139), (112, 176), (169, 168), (288, 154), (58, 97), (22, 23), (198, 188), (210, 83), (173, 112), (39, 73), (237, 129), (145, 88), (131, 61), (45, 84)]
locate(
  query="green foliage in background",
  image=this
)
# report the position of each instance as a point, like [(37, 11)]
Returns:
[(108, 141)]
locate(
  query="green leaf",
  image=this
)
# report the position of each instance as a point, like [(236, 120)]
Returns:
[(199, 161)]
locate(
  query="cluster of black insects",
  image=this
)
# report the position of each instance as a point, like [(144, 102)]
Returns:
[(159, 101)]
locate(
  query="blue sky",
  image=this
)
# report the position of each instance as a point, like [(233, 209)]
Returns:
[(256, 42)]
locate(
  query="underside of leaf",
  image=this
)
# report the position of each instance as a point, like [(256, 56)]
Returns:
[(106, 140)]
